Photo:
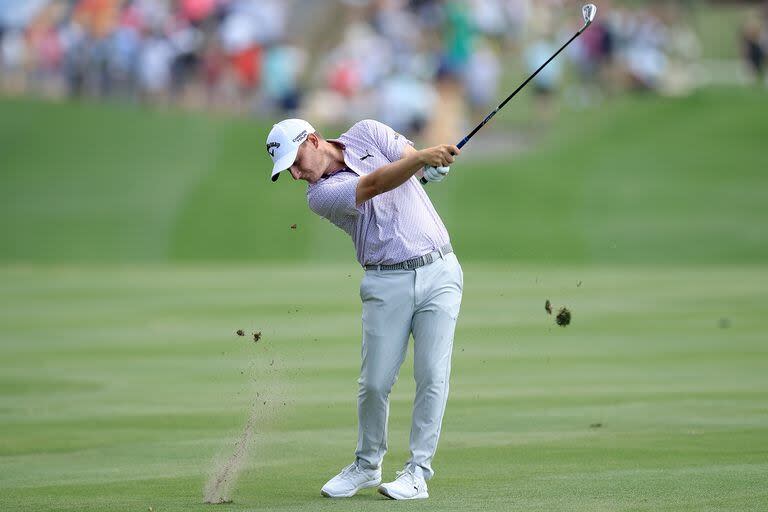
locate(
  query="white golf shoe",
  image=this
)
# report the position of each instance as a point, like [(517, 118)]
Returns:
[(351, 479), (407, 486)]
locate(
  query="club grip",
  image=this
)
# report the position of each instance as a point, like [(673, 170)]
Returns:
[(424, 181)]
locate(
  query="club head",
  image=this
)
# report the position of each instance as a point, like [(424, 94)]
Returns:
[(588, 11)]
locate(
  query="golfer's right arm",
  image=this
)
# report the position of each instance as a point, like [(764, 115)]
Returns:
[(393, 175)]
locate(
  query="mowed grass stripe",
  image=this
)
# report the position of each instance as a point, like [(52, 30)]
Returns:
[(647, 401), (640, 179)]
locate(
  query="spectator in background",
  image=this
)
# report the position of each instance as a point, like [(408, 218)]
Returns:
[(481, 79), (407, 101), (646, 60), (154, 66), (45, 50), (547, 82), (592, 55), (284, 64), (238, 35), (75, 63), (13, 56), (458, 35), (517, 14), (123, 55), (752, 50), (187, 43), (683, 50), (213, 70)]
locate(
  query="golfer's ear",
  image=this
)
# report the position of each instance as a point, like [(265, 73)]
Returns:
[(314, 139)]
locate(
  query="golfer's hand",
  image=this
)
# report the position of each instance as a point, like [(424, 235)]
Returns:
[(433, 174), (439, 156)]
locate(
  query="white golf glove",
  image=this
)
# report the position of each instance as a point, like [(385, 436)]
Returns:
[(433, 174)]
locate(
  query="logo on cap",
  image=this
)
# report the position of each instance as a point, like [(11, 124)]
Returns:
[(271, 147), (300, 136)]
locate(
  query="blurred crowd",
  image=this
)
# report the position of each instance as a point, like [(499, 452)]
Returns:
[(406, 62), (192, 52)]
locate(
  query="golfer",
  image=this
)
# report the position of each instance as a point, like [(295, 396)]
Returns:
[(366, 183)]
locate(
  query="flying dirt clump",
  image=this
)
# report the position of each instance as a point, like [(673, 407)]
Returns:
[(563, 317), (256, 334)]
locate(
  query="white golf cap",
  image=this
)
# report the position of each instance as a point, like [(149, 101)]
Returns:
[(283, 143)]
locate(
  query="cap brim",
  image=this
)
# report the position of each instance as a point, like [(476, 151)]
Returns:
[(285, 162)]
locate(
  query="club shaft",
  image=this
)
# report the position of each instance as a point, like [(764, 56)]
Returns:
[(489, 116), (501, 105)]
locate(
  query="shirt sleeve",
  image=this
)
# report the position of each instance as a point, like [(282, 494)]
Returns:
[(390, 143), (335, 198)]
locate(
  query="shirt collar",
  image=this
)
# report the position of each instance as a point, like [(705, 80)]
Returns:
[(347, 159)]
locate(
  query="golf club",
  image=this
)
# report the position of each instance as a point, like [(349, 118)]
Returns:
[(588, 12)]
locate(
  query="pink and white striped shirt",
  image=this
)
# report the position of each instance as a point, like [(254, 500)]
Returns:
[(392, 227)]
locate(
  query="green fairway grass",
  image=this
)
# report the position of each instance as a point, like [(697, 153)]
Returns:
[(640, 180), (134, 244), (121, 385)]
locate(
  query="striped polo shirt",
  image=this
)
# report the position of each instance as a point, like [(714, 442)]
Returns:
[(392, 227)]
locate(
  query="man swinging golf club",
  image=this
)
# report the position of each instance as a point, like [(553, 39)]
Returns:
[(366, 183)]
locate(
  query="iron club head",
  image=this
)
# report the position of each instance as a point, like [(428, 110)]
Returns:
[(588, 11)]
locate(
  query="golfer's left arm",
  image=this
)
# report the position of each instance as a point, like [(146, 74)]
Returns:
[(394, 174), (407, 151)]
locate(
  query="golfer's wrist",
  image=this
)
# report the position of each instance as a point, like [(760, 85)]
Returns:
[(421, 159)]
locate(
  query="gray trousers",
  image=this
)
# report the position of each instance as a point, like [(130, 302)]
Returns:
[(397, 303)]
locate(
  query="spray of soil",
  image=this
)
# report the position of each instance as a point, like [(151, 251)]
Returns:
[(268, 395), (226, 471), (267, 398)]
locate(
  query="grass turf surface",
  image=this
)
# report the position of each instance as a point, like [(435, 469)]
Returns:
[(639, 180), (121, 384), (121, 378)]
